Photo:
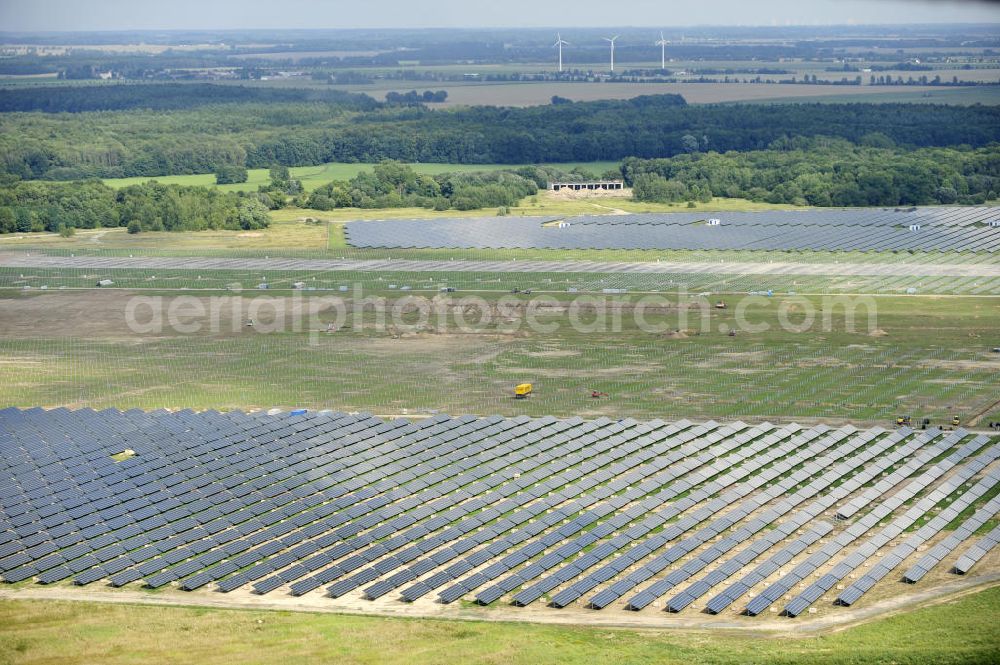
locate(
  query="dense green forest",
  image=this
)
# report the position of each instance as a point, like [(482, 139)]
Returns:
[(818, 172), (45, 206), (823, 172), (395, 185), (200, 139)]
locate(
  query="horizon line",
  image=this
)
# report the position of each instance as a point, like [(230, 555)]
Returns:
[(272, 29)]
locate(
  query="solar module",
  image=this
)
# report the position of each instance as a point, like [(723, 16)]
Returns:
[(946, 546), (972, 555)]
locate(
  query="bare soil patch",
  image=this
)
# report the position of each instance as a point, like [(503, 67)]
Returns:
[(959, 365), (563, 353), (583, 373)]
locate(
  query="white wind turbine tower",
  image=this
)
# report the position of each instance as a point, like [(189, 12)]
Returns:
[(663, 51), (611, 41), (559, 44)]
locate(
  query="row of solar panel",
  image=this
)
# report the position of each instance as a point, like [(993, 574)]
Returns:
[(717, 466), (861, 554), (695, 482), (64, 499), (868, 217), (404, 538), (831, 239), (791, 454), (611, 479), (187, 525), (894, 558), (856, 455), (292, 536), (734, 592), (786, 231), (977, 551), (948, 545)]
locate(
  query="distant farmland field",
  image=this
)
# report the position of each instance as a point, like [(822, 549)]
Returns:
[(986, 94), (536, 94)]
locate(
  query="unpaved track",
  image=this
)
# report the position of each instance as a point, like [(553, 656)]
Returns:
[(843, 619), (14, 259)]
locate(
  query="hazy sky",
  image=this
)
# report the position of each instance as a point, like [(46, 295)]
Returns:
[(217, 14)]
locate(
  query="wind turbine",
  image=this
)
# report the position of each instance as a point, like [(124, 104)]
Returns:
[(560, 43), (663, 51), (612, 40)]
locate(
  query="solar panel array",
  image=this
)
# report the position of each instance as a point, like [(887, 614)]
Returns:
[(592, 514), (947, 546), (977, 552), (965, 229)]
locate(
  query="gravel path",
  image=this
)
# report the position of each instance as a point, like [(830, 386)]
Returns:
[(29, 260)]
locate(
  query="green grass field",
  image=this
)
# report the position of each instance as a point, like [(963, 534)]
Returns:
[(35, 632), (314, 176), (931, 358)]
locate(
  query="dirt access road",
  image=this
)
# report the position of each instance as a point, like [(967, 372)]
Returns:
[(14, 259), (659, 621)]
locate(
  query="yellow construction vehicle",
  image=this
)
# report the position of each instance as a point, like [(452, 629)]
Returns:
[(903, 421), (956, 421), (523, 391)]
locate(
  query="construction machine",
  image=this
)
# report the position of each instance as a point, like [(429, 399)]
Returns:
[(903, 421), (523, 391)]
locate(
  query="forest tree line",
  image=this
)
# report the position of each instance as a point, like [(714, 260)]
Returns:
[(64, 206), (201, 139), (822, 172), (37, 206), (817, 172), (392, 184)]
